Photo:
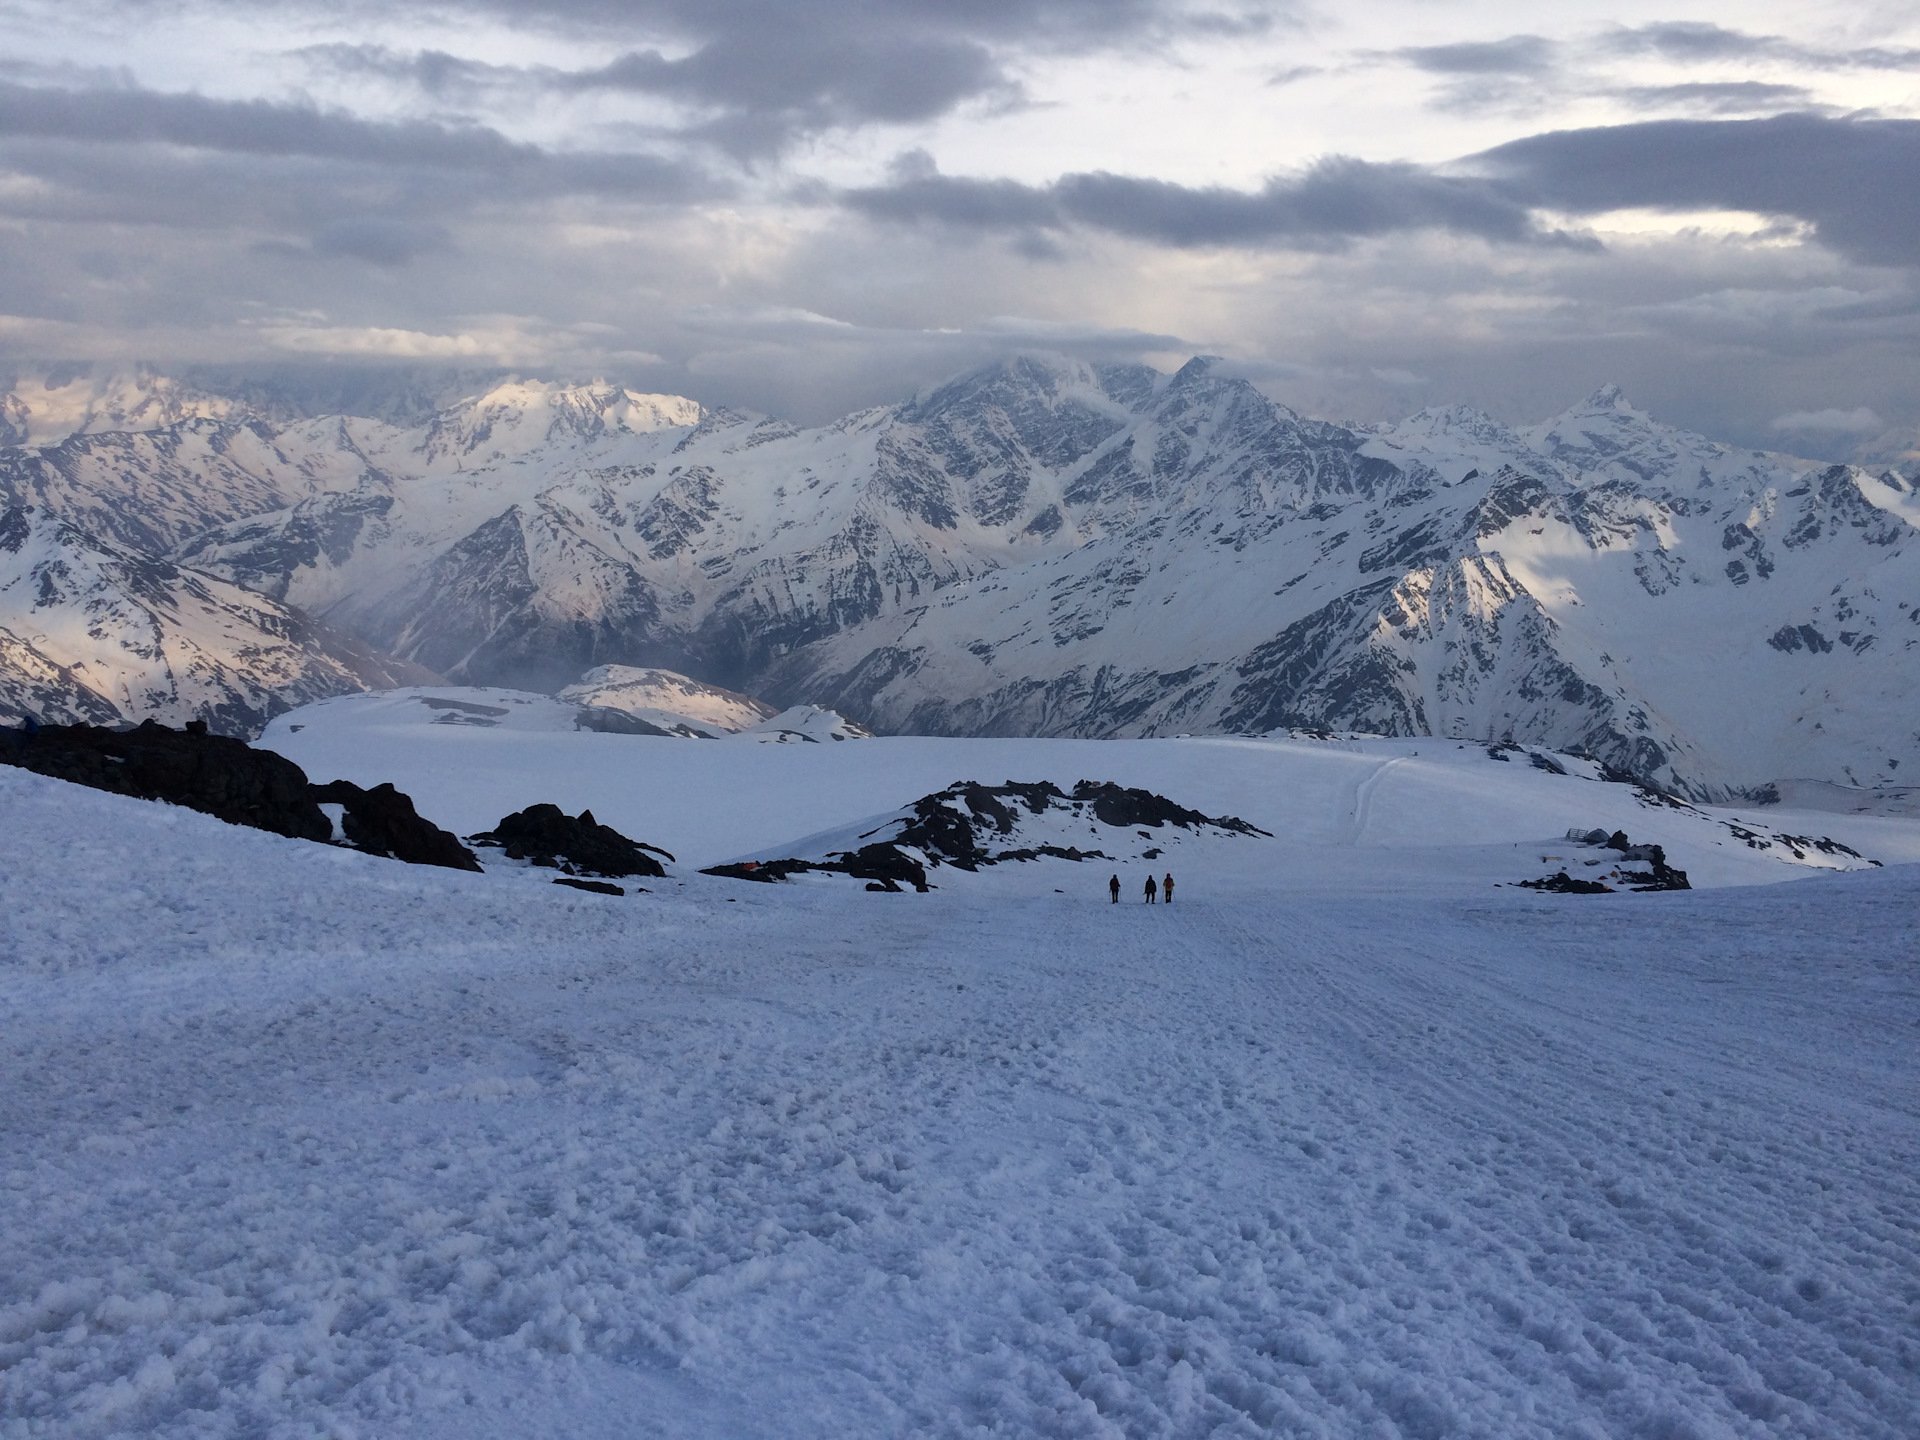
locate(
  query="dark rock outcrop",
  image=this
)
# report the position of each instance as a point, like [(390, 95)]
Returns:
[(580, 845), (214, 774), (382, 821), (1562, 883), (959, 825), (597, 887), (231, 781), (1118, 805)]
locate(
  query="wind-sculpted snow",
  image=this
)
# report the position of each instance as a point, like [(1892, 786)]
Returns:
[(296, 1142)]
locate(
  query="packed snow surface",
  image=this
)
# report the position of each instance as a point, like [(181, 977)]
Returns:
[(296, 1141), (1347, 816)]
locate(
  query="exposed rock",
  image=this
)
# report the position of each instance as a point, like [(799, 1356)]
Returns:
[(580, 845), (598, 887), (231, 781), (214, 774), (1117, 805), (382, 821), (1562, 883), (1658, 875), (959, 825)]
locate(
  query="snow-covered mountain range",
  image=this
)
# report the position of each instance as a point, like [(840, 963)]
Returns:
[(93, 631), (1051, 547)]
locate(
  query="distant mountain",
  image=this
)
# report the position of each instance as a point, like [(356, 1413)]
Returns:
[(90, 631), (667, 699), (1050, 547), (47, 406)]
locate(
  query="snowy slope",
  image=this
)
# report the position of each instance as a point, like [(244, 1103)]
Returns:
[(297, 1141), (92, 631), (1345, 816)]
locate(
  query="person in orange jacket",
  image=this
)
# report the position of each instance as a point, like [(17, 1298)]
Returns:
[(1167, 885)]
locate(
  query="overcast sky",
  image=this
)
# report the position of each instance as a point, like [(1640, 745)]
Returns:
[(807, 205)]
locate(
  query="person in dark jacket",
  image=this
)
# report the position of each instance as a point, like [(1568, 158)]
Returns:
[(1153, 890), (1113, 889), (1167, 885)]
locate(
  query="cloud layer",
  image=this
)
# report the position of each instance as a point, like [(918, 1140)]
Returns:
[(807, 205)]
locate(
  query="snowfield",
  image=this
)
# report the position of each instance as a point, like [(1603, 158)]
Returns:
[(1346, 1142)]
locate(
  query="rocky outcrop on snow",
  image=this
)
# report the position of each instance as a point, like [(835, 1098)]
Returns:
[(545, 835), (231, 781), (970, 825), (382, 821), (1659, 875), (214, 774)]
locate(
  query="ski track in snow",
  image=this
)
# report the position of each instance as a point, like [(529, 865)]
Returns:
[(1362, 800), (296, 1142)]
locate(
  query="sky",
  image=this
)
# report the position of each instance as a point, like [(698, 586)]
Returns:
[(806, 206)]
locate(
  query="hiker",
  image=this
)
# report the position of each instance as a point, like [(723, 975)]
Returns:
[(1167, 885), (1113, 889), (1153, 890)]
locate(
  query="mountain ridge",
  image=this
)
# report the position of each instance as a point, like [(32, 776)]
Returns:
[(1050, 546)]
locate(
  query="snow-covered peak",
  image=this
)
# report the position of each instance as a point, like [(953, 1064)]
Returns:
[(518, 416), (1606, 437), (1452, 422), (806, 723), (46, 408), (666, 697), (1031, 380), (1455, 441)]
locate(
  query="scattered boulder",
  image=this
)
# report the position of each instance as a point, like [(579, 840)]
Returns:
[(1562, 883), (580, 845), (382, 821), (1658, 875), (883, 867), (598, 887)]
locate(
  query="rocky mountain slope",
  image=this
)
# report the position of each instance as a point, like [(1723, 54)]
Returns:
[(1051, 547), (93, 632)]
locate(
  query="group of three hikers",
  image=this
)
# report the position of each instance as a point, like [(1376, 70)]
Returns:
[(1154, 887)]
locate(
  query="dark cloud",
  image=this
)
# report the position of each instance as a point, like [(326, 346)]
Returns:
[(381, 239), (1694, 42), (758, 74), (1727, 97), (1856, 181), (433, 72), (257, 127), (1691, 41), (811, 82), (1335, 201), (102, 121), (1515, 55)]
